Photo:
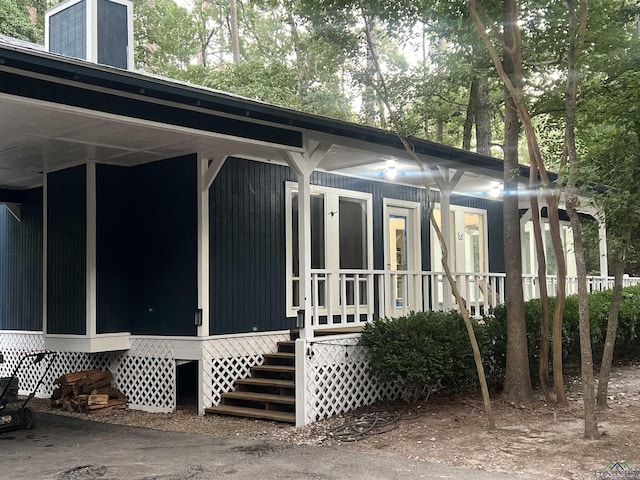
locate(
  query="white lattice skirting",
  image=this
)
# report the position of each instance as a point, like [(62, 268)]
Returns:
[(145, 373), (337, 379), (227, 359)]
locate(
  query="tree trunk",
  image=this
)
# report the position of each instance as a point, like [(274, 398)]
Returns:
[(517, 383), (469, 120), (543, 363), (586, 357), (619, 262), (440, 131), (384, 96), (576, 35), (512, 47), (235, 38), (483, 117)]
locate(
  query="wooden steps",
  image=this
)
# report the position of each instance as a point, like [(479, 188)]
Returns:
[(253, 413), (261, 397), (269, 393)]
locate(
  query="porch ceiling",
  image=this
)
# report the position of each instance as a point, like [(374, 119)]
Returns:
[(358, 160), (41, 137)]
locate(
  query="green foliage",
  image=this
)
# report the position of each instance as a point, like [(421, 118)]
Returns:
[(627, 340), (422, 350), (15, 21)]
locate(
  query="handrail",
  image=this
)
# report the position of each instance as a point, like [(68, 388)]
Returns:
[(353, 297)]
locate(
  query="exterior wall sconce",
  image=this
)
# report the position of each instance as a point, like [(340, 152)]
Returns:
[(300, 319)]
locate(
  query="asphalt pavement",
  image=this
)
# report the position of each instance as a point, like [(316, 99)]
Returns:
[(63, 448)]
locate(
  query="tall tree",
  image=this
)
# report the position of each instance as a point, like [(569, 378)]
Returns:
[(576, 31), (165, 37), (517, 383)]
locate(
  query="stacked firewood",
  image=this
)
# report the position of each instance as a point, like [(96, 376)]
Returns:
[(85, 391)]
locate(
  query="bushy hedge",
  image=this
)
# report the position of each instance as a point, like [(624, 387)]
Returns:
[(627, 338), (422, 350), (425, 349)]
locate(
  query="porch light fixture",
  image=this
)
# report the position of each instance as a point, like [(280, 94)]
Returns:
[(390, 171), (198, 317), (495, 191)]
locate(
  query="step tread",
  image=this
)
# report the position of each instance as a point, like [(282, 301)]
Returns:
[(261, 397), (253, 413), (267, 382), (274, 368), (279, 355)]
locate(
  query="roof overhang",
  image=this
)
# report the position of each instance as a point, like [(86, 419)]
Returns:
[(44, 133)]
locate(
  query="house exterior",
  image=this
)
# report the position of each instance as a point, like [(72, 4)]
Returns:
[(146, 224)]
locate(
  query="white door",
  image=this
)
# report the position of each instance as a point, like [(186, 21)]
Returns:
[(402, 253)]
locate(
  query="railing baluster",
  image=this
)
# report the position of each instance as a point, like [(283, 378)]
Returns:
[(356, 298)]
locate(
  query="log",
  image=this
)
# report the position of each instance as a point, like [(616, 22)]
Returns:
[(89, 387), (97, 400), (72, 378)]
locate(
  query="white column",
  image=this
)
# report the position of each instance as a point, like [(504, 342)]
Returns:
[(304, 239), (602, 235), (207, 170), (445, 224), (304, 163), (45, 251), (91, 253)]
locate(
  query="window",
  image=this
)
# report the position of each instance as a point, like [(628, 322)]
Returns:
[(341, 238), (467, 242)]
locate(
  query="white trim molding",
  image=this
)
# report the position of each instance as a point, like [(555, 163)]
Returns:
[(107, 342)]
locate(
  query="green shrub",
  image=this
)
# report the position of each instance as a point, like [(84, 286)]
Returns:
[(421, 351), (428, 349), (627, 338)]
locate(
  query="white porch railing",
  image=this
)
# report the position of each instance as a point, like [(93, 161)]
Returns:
[(355, 297)]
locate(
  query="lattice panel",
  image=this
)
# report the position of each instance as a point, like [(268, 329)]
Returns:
[(338, 380), (227, 359), (148, 382), (14, 346), (146, 374)]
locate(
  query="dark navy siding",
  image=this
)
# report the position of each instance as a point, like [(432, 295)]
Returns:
[(112, 34), (163, 237), (147, 248), (66, 251), (21, 265), (67, 31), (114, 248), (247, 239), (247, 247)]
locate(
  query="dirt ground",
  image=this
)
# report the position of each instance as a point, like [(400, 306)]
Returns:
[(536, 440)]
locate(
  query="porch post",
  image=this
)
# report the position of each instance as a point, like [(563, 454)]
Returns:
[(602, 236), (304, 239), (91, 254), (445, 223), (304, 164), (446, 183), (206, 170)]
